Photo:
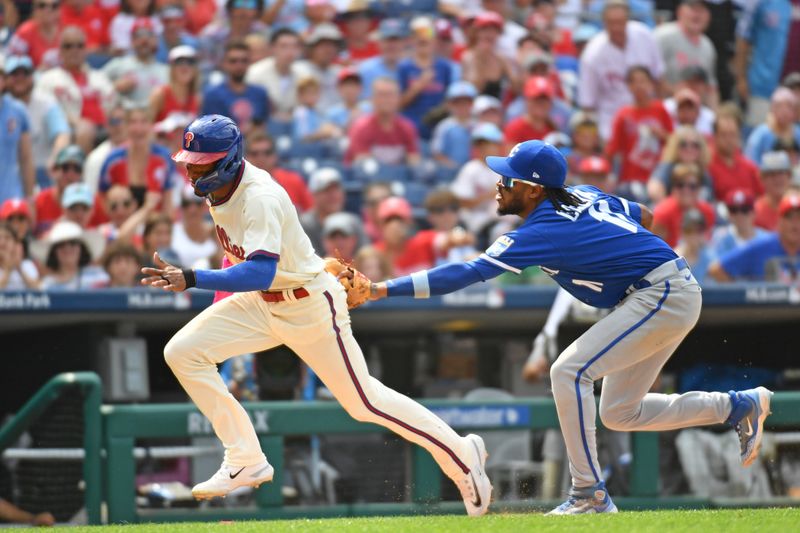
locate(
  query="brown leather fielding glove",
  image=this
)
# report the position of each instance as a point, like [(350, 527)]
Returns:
[(354, 282)]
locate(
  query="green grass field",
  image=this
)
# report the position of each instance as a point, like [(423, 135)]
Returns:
[(710, 521)]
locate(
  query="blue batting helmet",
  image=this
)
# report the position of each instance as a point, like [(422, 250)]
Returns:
[(212, 138)]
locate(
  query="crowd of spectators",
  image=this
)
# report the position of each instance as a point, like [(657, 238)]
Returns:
[(376, 118)]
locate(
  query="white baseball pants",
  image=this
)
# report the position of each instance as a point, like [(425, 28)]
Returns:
[(628, 348), (317, 328)]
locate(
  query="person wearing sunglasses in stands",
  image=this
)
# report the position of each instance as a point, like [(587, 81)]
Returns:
[(668, 214), (685, 145), (38, 36), (85, 94)]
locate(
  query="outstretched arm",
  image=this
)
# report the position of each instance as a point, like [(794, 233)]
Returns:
[(252, 275), (443, 279)]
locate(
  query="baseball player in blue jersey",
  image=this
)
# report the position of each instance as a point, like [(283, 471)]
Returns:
[(598, 247)]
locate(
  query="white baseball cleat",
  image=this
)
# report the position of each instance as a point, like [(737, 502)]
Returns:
[(475, 486), (229, 478)]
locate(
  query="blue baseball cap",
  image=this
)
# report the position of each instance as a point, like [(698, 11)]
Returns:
[(533, 161), (77, 193), (392, 29), (14, 62), (486, 131), (461, 89)]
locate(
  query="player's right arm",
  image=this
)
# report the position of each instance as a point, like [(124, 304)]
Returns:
[(646, 217)]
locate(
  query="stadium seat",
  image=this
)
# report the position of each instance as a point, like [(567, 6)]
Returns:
[(371, 170), (416, 193), (316, 150), (277, 128)]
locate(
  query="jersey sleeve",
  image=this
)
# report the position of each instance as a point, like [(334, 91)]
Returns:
[(262, 219), (514, 252)]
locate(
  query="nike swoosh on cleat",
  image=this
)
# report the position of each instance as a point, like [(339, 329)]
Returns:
[(233, 476), (749, 432), (477, 493)]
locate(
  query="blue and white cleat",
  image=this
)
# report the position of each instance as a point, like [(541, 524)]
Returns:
[(749, 409), (594, 499)]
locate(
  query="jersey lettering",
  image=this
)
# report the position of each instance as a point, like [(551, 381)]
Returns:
[(596, 286), (602, 211), (233, 249)]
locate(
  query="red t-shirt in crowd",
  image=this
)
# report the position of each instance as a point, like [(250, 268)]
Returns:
[(356, 55), (294, 185), (419, 253), (48, 210), (668, 213), (171, 104), (632, 137), (157, 171), (766, 215), (388, 145), (92, 108), (91, 20), (742, 174), (520, 130), (27, 40)]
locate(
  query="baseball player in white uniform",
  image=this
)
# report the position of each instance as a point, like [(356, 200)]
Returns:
[(282, 295)]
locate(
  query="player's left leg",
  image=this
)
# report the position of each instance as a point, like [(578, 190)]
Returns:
[(318, 329)]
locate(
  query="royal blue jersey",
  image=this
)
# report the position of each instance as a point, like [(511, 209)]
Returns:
[(595, 251)]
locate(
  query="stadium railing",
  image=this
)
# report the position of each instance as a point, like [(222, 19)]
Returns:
[(90, 386)]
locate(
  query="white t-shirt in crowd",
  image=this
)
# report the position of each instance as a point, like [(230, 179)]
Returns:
[(15, 281), (191, 252)]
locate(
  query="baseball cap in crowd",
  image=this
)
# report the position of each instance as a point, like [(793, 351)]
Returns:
[(739, 198), (560, 140), (792, 80), (70, 154), (687, 95), (77, 193), (63, 231), (177, 120), (15, 62), (142, 24), (532, 161), (693, 218), (594, 165), (488, 19), (324, 32), (775, 162), (345, 223), (537, 86), (348, 73), (394, 207), (461, 89), (582, 118), (392, 29), (486, 131), (183, 51), (444, 29), (422, 27), (172, 12), (484, 102), (14, 206), (322, 178), (535, 59), (693, 73), (245, 4), (356, 8), (584, 33), (790, 202)]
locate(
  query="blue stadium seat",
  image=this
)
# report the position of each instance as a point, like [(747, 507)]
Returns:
[(415, 193), (353, 196), (316, 150), (276, 128), (371, 170)]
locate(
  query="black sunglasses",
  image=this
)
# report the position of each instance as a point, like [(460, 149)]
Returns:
[(740, 210), (262, 153), (188, 61), (689, 144), (47, 5), (113, 206), (684, 185), (71, 46), (66, 167)]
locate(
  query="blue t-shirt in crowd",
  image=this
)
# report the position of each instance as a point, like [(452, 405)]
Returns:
[(370, 70), (762, 259), (306, 121), (431, 96), (251, 105), (762, 140), (724, 240), (452, 138), (595, 251), (765, 25), (13, 123)]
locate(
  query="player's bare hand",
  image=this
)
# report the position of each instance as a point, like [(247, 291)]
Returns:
[(165, 276), (43, 519)]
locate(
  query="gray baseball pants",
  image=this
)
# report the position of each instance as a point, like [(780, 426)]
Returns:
[(628, 348)]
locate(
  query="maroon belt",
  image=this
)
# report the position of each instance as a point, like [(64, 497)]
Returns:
[(273, 297)]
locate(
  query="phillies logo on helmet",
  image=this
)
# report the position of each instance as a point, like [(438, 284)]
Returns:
[(189, 137)]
